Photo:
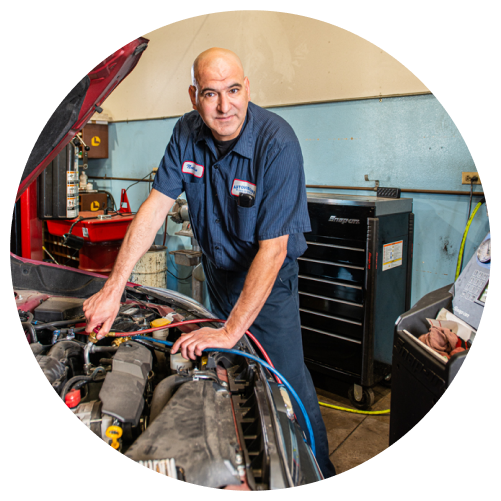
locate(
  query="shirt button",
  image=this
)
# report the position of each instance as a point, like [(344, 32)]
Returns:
[(217, 220), (217, 247), (216, 166)]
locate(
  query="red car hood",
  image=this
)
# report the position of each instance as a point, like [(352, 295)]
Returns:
[(77, 108)]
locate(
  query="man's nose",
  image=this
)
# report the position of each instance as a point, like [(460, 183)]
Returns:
[(224, 103)]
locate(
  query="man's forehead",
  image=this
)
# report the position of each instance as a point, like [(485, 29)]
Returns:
[(219, 69)]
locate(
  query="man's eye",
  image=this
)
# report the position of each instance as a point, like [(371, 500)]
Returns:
[(234, 91), (209, 94)]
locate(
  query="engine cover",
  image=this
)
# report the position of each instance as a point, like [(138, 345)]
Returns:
[(59, 308), (197, 429), (123, 388)]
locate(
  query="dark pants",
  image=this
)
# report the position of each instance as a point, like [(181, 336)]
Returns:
[(278, 329)]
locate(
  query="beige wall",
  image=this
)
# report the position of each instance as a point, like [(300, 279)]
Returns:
[(289, 60)]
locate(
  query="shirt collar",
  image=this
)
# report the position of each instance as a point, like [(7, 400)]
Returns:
[(244, 145)]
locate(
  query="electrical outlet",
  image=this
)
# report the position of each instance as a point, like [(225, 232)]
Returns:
[(466, 178)]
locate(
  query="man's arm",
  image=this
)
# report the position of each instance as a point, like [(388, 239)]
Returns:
[(102, 307), (257, 287)]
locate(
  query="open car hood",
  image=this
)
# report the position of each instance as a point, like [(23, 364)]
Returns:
[(78, 107)]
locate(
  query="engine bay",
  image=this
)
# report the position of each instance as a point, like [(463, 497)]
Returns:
[(207, 421)]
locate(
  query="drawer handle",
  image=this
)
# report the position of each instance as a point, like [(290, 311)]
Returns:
[(336, 246), (337, 336), (332, 299), (331, 263), (330, 282), (331, 317)]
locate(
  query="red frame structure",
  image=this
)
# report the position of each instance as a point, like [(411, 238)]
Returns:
[(31, 226)]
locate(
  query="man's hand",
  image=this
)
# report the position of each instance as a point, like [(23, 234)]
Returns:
[(192, 344), (101, 309)]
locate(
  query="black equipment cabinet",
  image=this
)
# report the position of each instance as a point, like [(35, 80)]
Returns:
[(418, 378), (354, 282)]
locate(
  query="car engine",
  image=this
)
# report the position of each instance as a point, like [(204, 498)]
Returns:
[(205, 421)]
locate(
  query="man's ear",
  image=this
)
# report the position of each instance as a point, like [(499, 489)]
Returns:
[(247, 87), (192, 90)]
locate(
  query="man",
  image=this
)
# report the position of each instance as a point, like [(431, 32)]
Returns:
[(242, 170)]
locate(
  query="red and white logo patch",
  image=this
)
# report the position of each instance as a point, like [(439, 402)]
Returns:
[(240, 186), (193, 168)]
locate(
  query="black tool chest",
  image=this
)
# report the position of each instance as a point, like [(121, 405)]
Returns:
[(354, 282)]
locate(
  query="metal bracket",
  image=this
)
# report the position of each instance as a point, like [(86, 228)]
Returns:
[(366, 177), (358, 392)]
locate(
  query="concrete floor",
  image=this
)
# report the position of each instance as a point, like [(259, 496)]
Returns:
[(355, 438)]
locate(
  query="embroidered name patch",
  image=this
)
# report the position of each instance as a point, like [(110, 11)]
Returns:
[(240, 186), (193, 168)]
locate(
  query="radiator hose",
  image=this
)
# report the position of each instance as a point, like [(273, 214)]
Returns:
[(29, 327)]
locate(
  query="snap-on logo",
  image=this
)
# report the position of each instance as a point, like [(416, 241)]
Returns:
[(343, 220), (193, 168)]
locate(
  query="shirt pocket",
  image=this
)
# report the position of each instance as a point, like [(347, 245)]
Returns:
[(241, 220)]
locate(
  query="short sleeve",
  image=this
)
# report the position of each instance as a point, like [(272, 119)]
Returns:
[(283, 209), (168, 179)]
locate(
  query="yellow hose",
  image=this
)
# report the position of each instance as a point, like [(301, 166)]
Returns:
[(355, 411), (463, 241)]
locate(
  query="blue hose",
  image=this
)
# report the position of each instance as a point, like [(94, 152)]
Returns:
[(264, 364)]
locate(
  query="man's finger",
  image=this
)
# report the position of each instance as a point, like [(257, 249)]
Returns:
[(191, 349), (185, 336), (175, 346), (99, 332), (187, 348), (105, 328), (91, 325), (183, 350), (198, 350)]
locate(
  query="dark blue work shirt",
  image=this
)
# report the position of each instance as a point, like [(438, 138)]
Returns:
[(266, 162)]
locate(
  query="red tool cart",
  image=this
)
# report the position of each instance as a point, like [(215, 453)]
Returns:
[(102, 235)]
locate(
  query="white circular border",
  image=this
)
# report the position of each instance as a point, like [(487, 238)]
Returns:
[(452, 49)]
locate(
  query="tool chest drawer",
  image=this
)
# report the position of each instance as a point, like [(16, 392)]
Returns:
[(339, 221), (335, 253), (329, 306), (343, 291), (324, 348), (350, 329), (331, 271)]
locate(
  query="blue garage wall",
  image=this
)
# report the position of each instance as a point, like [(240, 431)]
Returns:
[(406, 142), (135, 148)]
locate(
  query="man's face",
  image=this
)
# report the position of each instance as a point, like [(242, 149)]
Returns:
[(221, 97)]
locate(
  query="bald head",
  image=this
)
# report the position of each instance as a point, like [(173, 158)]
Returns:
[(217, 61)]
